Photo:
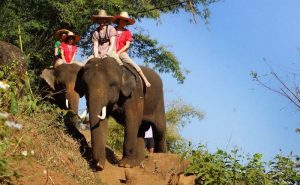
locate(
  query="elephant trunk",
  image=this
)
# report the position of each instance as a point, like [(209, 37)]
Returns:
[(98, 125), (72, 101)]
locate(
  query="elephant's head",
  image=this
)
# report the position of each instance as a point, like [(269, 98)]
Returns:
[(106, 82), (62, 81)]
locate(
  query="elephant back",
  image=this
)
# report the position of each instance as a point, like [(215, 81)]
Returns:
[(102, 64)]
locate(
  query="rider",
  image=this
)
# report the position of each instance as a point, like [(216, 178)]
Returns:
[(104, 37), (123, 41), (68, 50), (60, 36)]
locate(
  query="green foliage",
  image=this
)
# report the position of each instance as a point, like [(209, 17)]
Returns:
[(18, 98), (285, 170), (13, 104), (115, 136), (178, 115), (156, 56), (39, 19), (217, 168), (223, 168), (254, 171), (21, 97), (5, 143)]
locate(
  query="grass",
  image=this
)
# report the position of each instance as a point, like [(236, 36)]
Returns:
[(44, 144)]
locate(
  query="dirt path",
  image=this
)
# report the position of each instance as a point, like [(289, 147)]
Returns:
[(160, 169)]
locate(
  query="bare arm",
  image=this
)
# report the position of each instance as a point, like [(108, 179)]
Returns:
[(55, 51), (63, 55), (125, 48), (112, 44), (96, 49)]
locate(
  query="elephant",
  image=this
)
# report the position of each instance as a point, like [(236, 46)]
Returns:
[(63, 80), (119, 92), (67, 87)]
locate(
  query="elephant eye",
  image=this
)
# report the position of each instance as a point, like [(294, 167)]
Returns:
[(112, 84)]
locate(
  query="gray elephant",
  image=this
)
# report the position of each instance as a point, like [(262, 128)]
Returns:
[(64, 83), (119, 92)]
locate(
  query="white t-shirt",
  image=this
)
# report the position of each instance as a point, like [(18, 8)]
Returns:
[(148, 133)]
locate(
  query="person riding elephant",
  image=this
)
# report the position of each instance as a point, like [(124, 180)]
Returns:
[(60, 36), (123, 41), (68, 50), (119, 92), (104, 37)]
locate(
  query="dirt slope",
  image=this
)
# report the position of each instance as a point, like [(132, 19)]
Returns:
[(55, 158)]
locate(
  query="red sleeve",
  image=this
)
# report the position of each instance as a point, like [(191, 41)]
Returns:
[(129, 36)]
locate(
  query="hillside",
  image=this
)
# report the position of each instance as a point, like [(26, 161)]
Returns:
[(42, 152)]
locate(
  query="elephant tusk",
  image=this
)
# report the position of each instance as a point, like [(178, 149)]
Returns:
[(67, 103), (103, 113)]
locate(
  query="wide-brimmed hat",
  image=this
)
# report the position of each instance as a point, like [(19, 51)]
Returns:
[(123, 15), (58, 33), (101, 15), (71, 34)]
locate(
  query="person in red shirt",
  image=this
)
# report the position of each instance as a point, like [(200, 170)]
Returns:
[(60, 36), (123, 40), (68, 50)]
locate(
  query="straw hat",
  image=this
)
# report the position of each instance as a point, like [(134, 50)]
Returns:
[(71, 34), (101, 15), (58, 33), (123, 15)]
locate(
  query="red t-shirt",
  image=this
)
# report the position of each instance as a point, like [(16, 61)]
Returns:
[(122, 39), (68, 50)]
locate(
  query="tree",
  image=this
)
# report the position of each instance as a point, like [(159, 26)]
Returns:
[(275, 83), (39, 19), (178, 115)]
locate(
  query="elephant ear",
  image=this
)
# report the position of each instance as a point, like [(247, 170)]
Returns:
[(80, 86), (128, 82), (48, 76)]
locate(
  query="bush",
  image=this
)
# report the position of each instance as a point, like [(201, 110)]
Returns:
[(222, 167)]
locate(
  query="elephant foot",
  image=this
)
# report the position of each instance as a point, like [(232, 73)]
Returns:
[(128, 163)]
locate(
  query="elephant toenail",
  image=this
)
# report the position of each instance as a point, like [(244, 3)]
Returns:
[(99, 167)]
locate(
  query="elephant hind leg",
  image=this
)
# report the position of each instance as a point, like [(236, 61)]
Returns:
[(160, 145), (159, 134)]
